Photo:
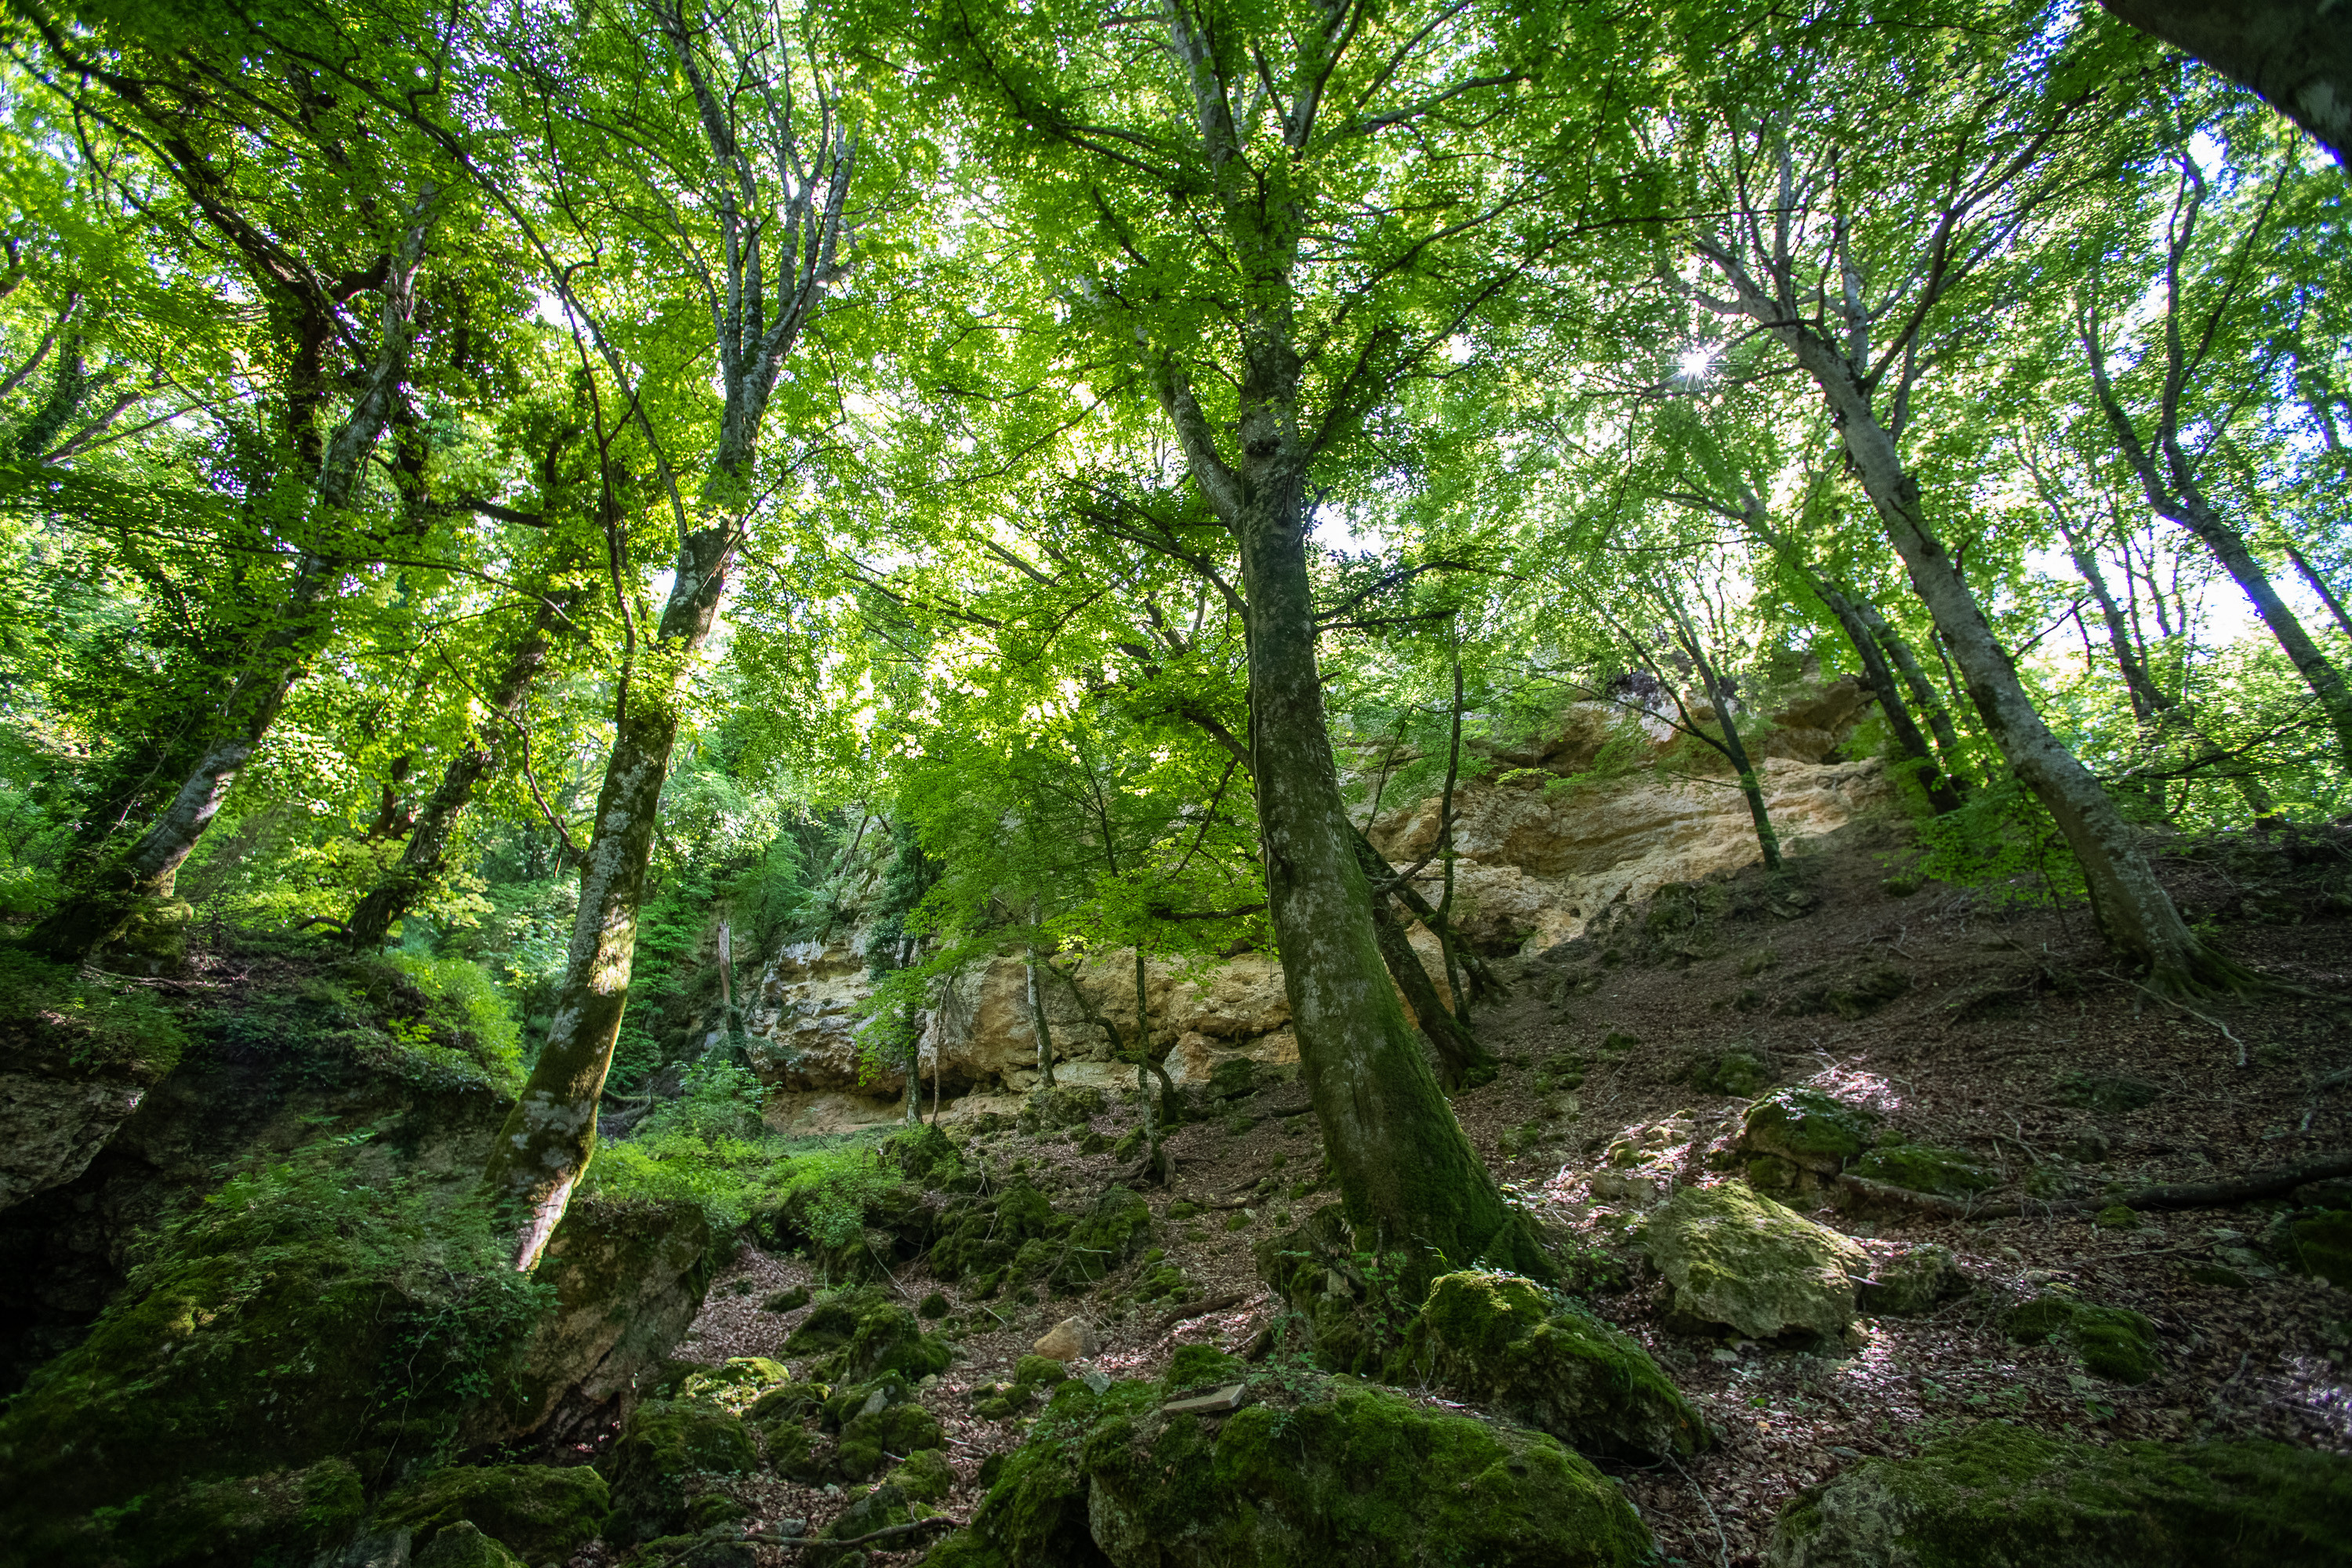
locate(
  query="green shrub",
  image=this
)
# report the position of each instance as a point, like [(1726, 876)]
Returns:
[(95, 1027)]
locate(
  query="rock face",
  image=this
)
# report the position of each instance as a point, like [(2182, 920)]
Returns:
[(55, 1117), (539, 1512), (1353, 1474), (1537, 860), (1493, 1339), (2000, 1496), (1738, 1258)]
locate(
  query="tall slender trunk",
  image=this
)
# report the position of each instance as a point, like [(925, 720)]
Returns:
[(1924, 696), (1463, 1060), (2319, 585), (436, 827), (2132, 908), (1875, 674), (550, 1135), (1485, 984), (2149, 702), (1037, 1024), (1718, 695)]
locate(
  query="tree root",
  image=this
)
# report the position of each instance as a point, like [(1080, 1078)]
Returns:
[(2163, 1195)]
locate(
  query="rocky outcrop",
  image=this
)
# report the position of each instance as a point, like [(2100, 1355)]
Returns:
[(1542, 851), (1738, 1259), (76, 1058), (2000, 1496)]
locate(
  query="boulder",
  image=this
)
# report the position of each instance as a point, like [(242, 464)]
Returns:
[(1738, 1258), (628, 1280), (1806, 1131), (665, 1445), (541, 1513), (1072, 1339), (1497, 1339), (76, 1058), (736, 1384), (1925, 1168), (463, 1546), (1349, 1473), (2001, 1496), (1914, 1280), (855, 1335), (2114, 1342), (2321, 1243)]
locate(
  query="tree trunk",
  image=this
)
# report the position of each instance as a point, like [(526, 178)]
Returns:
[(1719, 697), (2319, 586), (2296, 54), (435, 826), (1483, 982), (1464, 1061), (2148, 700), (1037, 1021), (2228, 547), (2132, 908), (1875, 674), (1923, 692), (1407, 1174), (551, 1133)]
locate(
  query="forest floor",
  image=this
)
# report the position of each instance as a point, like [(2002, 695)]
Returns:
[(2013, 1037)]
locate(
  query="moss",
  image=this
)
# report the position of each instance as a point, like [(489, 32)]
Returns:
[(1197, 1366), (736, 1384), (279, 1518), (664, 1445), (463, 1546), (542, 1512), (2321, 1243), (932, 1308), (51, 1008), (862, 1334), (1353, 1474), (924, 1155), (867, 1437), (2114, 1342), (1925, 1168), (1740, 1259), (2001, 1495), (291, 1320), (1063, 1105), (1116, 1229), (1740, 1071), (788, 1300), (926, 1477), (2117, 1216), (979, 1236), (1807, 1128), (1497, 1340), (1042, 1372)]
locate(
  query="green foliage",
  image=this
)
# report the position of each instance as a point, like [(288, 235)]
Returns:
[(97, 1027), (707, 1147)]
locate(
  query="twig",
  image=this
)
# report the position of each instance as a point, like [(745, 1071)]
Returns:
[(887, 1532), (1722, 1546)]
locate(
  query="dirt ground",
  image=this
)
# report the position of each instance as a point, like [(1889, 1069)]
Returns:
[(1995, 1010)]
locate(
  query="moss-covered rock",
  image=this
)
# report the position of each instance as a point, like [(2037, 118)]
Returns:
[(2321, 1243), (1497, 1340), (923, 1154), (870, 1435), (1350, 1474), (1738, 1258), (1743, 1071), (737, 1384), (2001, 1496), (859, 1334), (463, 1546), (1061, 1105), (1925, 1168), (1915, 1280), (926, 1477), (1808, 1130), (279, 1517), (2114, 1342), (665, 1446), (980, 1237), (1117, 1229), (542, 1512)]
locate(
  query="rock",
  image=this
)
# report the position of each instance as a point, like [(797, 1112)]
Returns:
[(463, 1546), (75, 1059), (787, 1301), (1741, 1071), (664, 1445), (540, 1512), (1216, 1402), (854, 1335), (737, 1384), (1735, 1257), (1807, 1129), (1495, 1339), (1353, 1473), (926, 1477), (883, 1507), (2114, 1342), (876, 1419), (2000, 1496), (1925, 1168), (628, 1280), (1070, 1339), (1912, 1280)]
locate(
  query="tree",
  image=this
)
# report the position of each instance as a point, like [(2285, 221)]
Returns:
[(2293, 53)]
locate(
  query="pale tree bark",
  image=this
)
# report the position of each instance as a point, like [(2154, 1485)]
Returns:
[(2133, 909), (2296, 54), (550, 1135), (1037, 1022), (421, 858), (1923, 695), (120, 889)]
